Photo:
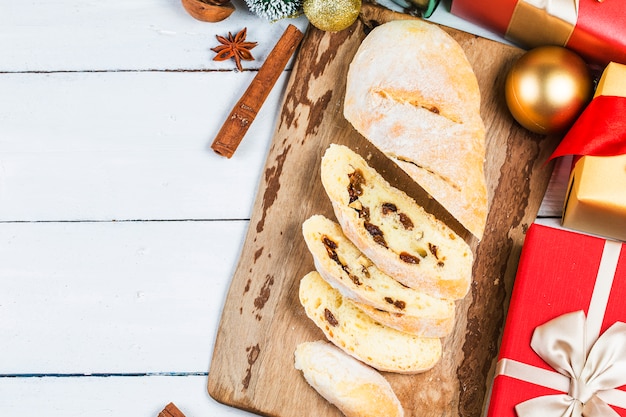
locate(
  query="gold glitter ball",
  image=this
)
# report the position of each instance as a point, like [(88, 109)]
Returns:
[(331, 15)]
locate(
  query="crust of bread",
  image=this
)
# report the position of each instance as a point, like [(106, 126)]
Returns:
[(380, 296), (412, 92), (355, 388), (406, 242), (374, 344)]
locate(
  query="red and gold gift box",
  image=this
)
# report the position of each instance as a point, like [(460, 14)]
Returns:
[(563, 350), (594, 29), (596, 196)]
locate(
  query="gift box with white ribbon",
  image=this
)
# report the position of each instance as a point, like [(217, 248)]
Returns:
[(563, 351), (592, 28)]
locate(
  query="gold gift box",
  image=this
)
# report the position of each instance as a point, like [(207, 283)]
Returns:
[(596, 195), (596, 198)]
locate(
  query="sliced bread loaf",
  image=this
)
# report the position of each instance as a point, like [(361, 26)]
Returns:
[(353, 387), (378, 346), (426, 119), (345, 268), (391, 229)]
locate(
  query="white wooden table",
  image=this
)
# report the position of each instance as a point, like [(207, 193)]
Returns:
[(119, 227)]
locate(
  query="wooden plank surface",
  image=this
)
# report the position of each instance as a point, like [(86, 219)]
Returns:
[(262, 322), (107, 111), (142, 35), (113, 297), (126, 145), (103, 396)]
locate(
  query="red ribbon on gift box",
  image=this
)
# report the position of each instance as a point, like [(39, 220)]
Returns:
[(599, 131)]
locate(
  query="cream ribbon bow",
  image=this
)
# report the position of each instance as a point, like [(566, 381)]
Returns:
[(562, 343)]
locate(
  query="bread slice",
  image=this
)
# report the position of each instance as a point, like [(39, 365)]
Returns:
[(374, 344), (438, 327), (391, 229), (381, 297), (411, 92), (353, 387)]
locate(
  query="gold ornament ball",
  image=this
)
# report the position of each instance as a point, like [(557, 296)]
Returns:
[(331, 15), (547, 88)]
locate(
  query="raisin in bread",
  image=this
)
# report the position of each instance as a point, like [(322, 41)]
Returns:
[(353, 387), (411, 91), (391, 229), (374, 344), (381, 297)]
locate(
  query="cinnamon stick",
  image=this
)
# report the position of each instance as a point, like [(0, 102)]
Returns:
[(171, 410), (243, 114)]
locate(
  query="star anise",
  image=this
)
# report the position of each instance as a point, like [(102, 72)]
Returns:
[(234, 47)]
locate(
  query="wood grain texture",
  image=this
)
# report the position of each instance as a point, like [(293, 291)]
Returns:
[(92, 35), (109, 396), (127, 145), (125, 297), (262, 322)]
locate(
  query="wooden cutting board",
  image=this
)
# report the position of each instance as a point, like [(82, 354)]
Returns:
[(263, 321)]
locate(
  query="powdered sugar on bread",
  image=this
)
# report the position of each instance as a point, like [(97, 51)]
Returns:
[(412, 93)]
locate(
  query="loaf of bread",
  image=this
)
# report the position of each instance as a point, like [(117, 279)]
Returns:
[(353, 387), (374, 344), (413, 94), (381, 297), (392, 230)]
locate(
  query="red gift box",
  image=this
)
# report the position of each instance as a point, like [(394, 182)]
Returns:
[(568, 298), (594, 29)]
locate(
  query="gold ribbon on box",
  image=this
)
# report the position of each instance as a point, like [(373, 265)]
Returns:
[(543, 22), (588, 366)]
